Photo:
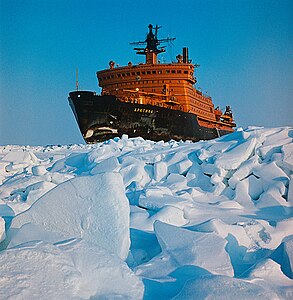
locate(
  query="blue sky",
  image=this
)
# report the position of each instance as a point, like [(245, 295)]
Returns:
[(244, 48)]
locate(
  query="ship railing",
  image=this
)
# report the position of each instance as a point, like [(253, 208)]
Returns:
[(168, 101)]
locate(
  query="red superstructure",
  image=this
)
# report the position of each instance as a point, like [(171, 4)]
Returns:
[(169, 85)]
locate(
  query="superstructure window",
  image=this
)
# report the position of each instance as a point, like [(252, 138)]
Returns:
[(167, 71), (148, 72), (178, 71), (137, 73), (173, 71), (185, 72), (153, 72)]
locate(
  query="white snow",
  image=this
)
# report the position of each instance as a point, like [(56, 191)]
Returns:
[(287, 150), (72, 269), (223, 287), (86, 207), (2, 229), (232, 158), (182, 247), (133, 219), (160, 170)]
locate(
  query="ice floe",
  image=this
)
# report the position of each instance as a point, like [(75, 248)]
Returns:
[(132, 218), (86, 207), (71, 269)]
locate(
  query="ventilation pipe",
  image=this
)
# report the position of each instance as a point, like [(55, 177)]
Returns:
[(185, 55)]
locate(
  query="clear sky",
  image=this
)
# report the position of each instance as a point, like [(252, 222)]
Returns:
[(244, 48)]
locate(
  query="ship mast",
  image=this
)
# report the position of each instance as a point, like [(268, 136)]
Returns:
[(151, 50), (76, 79)]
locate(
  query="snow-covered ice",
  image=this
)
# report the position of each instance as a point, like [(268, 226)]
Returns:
[(137, 219), (2, 229), (85, 208), (70, 269)]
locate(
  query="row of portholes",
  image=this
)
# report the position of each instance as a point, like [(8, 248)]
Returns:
[(202, 105), (119, 75)]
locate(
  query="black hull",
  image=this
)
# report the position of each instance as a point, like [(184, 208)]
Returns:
[(103, 117)]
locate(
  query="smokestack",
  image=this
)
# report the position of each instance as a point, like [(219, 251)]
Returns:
[(185, 55)]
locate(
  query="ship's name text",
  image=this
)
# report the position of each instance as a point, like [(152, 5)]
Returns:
[(143, 110)]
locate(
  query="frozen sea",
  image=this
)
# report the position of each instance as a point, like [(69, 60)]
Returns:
[(136, 219)]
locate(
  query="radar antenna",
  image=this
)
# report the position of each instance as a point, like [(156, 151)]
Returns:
[(152, 42)]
